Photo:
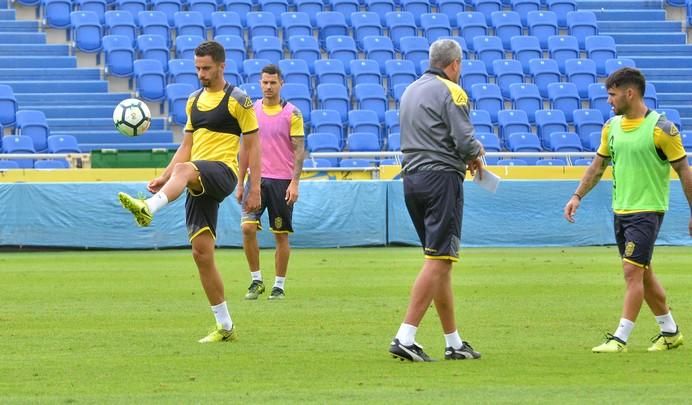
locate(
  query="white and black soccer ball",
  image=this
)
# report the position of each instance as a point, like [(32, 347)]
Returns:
[(132, 117)]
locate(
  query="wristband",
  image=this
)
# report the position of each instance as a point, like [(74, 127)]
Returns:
[(578, 196)]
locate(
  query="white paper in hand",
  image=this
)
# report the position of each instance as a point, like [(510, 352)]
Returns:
[(489, 182)]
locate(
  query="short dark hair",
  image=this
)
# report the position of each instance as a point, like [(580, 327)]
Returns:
[(272, 69), (626, 76), (213, 49)]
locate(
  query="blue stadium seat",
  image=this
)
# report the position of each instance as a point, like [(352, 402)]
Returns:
[(487, 97), (614, 64), (189, 23), (561, 48), (185, 46), (511, 121), (488, 49), (153, 47), (414, 49), (328, 121), (253, 90), (650, 97), (415, 7), (32, 123), (507, 25), (363, 142), (345, 7), (565, 142), (50, 164), (205, 7), (524, 142), (299, 95), (487, 8), (561, 8), (542, 24), (435, 25), (63, 144), (267, 47), (581, 72), (305, 47), (97, 7), (309, 7), (587, 121), (86, 31), (399, 71), (365, 24), (252, 69), (370, 96), (582, 24), (177, 95), (391, 121), (565, 97), (233, 45), (400, 24), (121, 23), (19, 144), (600, 48), (451, 8), (524, 48), (365, 71), (56, 13), (183, 71), (549, 121), (232, 74), (261, 24), (686, 138), (226, 23), (154, 23), (472, 24), (330, 23), (393, 142), (582, 162), (334, 97), (295, 23), (526, 97), (275, 7), (379, 48), (330, 71), (511, 162), (398, 92), (507, 72), (241, 7), (598, 99), (382, 8), (296, 71), (491, 143), (323, 142), (551, 162), (481, 120), (119, 55), (425, 64), (672, 115), (169, 8), (134, 7), (544, 72), (341, 47), (364, 121), (8, 106), (355, 163), (523, 7), (150, 80), (317, 162)]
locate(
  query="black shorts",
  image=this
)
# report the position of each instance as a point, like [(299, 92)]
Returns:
[(435, 202), (273, 193), (636, 235), (202, 210)]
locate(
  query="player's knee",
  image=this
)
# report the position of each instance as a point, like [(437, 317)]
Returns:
[(249, 230), (202, 254), (184, 170)]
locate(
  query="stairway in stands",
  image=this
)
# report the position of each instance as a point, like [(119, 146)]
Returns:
[(657, 45), (76, 100)]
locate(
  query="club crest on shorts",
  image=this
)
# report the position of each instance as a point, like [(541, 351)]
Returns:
[(629, 249), (278, 223)]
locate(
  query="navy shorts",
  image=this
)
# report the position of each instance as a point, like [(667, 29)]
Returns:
[(636, 235), (435, 201), (273, 193), (202, 210)]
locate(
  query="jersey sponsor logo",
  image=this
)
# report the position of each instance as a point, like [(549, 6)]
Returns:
[(629, 248)]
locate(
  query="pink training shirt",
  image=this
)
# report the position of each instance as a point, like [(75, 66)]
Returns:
[(275, 138)]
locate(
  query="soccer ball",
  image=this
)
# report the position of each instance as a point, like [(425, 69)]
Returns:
[(132, 117)]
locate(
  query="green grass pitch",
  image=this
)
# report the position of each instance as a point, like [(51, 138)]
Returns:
[(122, 327)]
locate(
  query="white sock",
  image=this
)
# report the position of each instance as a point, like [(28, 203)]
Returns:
[(156, 201), (667, 323), (624, 329), (453, 340), (222, 316), (256, 275), (407, 334), (279, 282)]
